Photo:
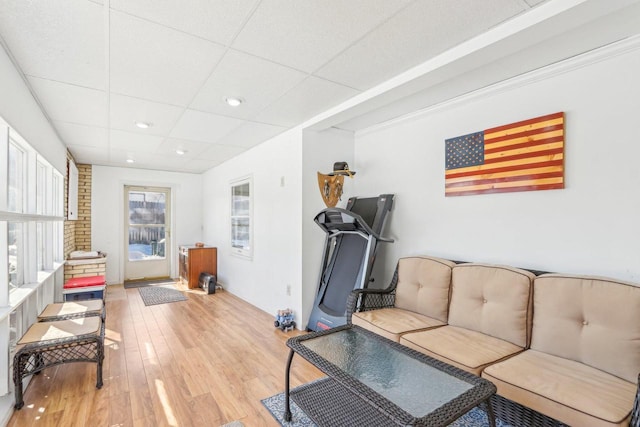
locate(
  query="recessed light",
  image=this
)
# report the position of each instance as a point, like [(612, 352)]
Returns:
[(130, 161), (234, 101), (180, 151), (143, 125)]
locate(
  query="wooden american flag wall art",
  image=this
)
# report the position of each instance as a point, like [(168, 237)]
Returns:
[(522, 156)]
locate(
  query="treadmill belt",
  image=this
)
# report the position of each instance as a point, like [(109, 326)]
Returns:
[(344, 275)]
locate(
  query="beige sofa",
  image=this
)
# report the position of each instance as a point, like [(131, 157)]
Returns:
[(565, 346)]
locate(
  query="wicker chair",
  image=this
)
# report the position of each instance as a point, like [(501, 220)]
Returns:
[(52, 343), (635, 414), (372, 299), (73, 310)]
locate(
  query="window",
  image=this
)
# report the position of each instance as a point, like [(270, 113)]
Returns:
[(147, 225), (16, 254), (41, 188), (31, 239), (16, 169), (241, 217), (40, 246)]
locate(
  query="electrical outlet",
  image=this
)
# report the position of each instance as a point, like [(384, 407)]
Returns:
[(289, 290)]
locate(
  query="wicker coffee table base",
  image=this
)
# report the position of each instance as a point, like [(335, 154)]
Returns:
[(34, 357), (327, 403)]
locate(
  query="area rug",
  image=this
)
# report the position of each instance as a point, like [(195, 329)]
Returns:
[(145, 283), (275, 404), (153, 295), (233, 424)]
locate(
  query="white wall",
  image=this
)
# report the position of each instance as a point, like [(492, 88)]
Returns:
[(591, 226), (20, 110), (277, 191), (320, 151), (107, 215)]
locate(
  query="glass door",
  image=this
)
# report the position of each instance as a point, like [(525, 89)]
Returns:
[(147, 232)]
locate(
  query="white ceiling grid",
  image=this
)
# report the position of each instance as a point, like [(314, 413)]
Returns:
[(172, 63)]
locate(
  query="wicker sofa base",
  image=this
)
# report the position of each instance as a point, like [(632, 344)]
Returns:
[(517, 415), (34, 357)]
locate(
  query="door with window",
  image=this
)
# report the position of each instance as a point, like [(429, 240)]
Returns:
[(147, 232)]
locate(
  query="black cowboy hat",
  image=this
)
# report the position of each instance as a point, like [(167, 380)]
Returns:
[(341, 168)]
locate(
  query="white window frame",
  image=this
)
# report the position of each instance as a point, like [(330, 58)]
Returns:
[(41, 187), (35, 286), (13, 141), (244, 251)]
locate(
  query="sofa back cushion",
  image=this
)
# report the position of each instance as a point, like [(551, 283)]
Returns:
[(592, 320), (494, 300), (424, 285)]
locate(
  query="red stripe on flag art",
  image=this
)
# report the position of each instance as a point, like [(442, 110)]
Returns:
[(522, 156)]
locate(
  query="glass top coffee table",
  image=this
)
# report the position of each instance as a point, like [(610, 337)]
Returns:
[(374, 381)]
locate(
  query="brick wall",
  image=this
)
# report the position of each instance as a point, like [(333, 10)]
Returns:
[(83, 225), (77, 234), (85, 268)]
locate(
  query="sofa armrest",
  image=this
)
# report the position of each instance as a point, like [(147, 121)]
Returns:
[(372, 299), (635, 414)]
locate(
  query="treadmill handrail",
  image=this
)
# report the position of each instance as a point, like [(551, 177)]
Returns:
[(359, 233), (357, 219)]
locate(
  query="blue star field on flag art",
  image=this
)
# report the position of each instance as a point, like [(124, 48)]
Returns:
[(466, 150)]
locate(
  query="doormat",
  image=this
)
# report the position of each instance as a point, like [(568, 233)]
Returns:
[(153, 295), (145, 283), (275, 404)]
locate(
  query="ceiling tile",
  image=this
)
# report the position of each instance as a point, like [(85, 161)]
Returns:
[(220, 153), (259, 82), (146, 161), (88, 136), (136, 142), (90, 155), (251, 133), (192, 149), (126, 111), (311, 97), (71, 103), (200, 166), (56, 39), (309, 33), (204, 127), (218, 20), (162, 64), (436, 25)]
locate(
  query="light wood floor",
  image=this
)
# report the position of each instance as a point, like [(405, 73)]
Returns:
[(203, 362)]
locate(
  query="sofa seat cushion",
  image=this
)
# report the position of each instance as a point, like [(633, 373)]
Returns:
[(466, 349), (569, 391), (393, 322)]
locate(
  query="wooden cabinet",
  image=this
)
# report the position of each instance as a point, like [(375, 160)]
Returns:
[(193, 260)]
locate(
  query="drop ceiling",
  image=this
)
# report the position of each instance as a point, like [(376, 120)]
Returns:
[(98, 67)]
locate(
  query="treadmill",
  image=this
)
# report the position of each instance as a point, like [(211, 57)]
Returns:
[(352, 237)]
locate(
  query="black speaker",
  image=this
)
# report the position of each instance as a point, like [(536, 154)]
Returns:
[(207, 282)]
